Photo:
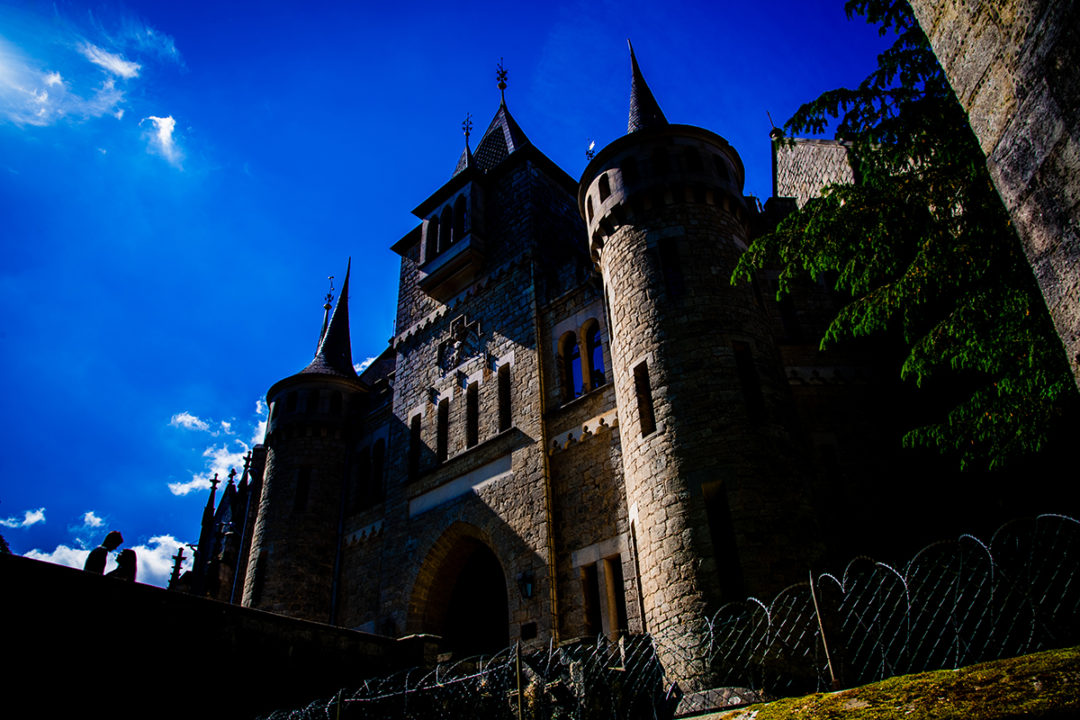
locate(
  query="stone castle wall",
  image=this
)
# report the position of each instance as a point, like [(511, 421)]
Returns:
[(1014, 67)]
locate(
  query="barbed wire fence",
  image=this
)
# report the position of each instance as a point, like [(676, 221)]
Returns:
[(955, 603)]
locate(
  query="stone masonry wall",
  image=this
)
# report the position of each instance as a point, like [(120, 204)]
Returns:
[(1015, 67)]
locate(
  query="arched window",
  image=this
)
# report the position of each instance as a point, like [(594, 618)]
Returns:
[(588, 208), (446, 225), (431, 246), (605, 187), (570, 355), (594, 354), (459, 219)]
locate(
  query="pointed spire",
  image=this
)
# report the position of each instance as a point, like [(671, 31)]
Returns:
[(326, 311), (644, 110), (334, 356)]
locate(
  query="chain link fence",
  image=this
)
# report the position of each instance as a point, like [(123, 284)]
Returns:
[(955, 603)]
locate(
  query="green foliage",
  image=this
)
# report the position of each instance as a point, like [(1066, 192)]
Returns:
[(923, 246)]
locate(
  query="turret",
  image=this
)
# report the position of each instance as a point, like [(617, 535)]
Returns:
[(714, 497), (310, 436)]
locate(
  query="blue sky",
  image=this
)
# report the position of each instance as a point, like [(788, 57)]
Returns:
[(177, 181)]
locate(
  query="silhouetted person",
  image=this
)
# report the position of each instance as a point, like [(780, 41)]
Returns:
[(95, 563), (125, 566)]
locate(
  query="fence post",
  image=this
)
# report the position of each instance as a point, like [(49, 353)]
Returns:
[(821, 627), (517, 663)]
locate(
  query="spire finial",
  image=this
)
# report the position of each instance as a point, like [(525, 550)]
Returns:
[(330, 293), (232, 475), (466, 126), (501, 75), (214, 482)]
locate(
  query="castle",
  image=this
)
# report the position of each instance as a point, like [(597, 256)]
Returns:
[(580, 426)]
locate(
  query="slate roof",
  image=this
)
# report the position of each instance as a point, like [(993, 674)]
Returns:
[(502, 137), (644, 110), (334, 356)]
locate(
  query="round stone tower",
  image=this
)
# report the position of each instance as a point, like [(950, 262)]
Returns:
[(716, 504), (310, 436)]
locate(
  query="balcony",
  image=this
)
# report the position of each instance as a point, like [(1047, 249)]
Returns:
[(452, 270)]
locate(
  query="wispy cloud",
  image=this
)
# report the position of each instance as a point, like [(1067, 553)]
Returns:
[(29, 519), (218, 458), (362, 366), (161, 138), (111, 62)]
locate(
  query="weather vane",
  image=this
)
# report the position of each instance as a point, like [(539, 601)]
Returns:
[(590, 151), (501, 75), (467, 127), (330, 294)]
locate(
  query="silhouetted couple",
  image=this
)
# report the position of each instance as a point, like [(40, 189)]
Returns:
[(125, 561)]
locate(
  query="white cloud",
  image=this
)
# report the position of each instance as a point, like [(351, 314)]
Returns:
[(92, 520), (362, 366), (219, 459), (154, 558), (161, 138), (111, 62), (189, 421), (62, 555), (53, 79), (30, 518)]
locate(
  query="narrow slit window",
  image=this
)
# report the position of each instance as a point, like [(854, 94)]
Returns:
[(459, 218), (442, 431), (605, 187), (751, 385), (505, 417), (643, 389), (414, 447), (472, 415)]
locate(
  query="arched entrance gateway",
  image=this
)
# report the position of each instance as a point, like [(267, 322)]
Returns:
[(460, 595)]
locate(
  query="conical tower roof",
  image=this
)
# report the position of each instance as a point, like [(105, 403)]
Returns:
[(334, 356), (644, 110)]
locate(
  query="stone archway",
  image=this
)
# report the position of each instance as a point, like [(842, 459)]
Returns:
[(461, 594)]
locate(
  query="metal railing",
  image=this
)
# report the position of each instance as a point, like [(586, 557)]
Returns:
[(955, 603)]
